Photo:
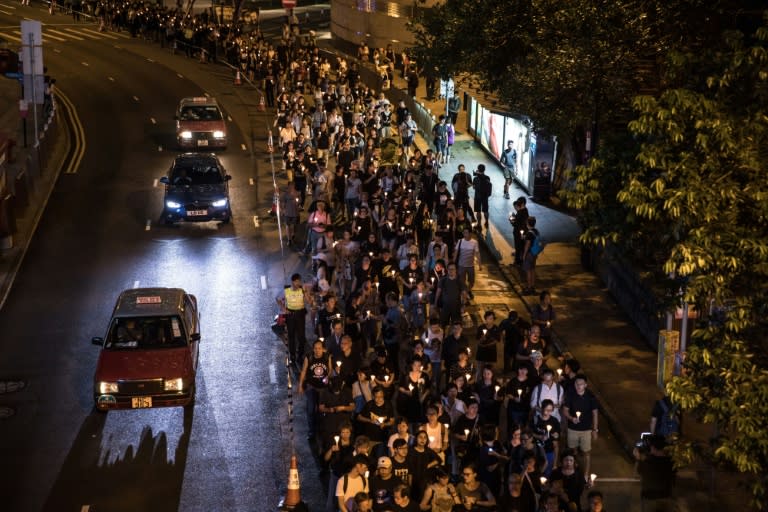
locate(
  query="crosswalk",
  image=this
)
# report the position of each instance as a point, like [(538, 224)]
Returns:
[(56, 34)]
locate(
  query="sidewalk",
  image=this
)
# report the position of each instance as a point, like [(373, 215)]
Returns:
[(620, 366)]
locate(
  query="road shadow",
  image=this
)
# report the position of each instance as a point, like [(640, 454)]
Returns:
[(146, 478)]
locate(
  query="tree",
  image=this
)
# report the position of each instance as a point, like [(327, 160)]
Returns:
[(696, 191)]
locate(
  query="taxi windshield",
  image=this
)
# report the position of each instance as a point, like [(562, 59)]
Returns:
[(146, 333), (196, 174), (200, 113)]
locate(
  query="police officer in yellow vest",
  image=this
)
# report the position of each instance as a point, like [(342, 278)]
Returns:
[(294, 302)]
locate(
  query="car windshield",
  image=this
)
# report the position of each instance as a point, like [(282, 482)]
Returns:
[(197, 173), (146, 333), (200, 113)]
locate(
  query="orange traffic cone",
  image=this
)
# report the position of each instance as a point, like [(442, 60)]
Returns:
[(293, 496), (237, 78), (262, 105)]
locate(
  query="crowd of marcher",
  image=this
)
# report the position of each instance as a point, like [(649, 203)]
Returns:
[(410, 406)]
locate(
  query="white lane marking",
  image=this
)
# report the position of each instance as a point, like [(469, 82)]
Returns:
[(250, 181), (179, 75), (153, 120), (154, 183), (76, 38), (229, 118), (78, 34), (84, 64), (5, 12), (150, 60), (616, 480), (136, 98), (56, 50), (100, 34), (243, 147), (159, 148), (272, 374), (256, 221), (263, 282), (148, 225), (110, 79), (117, 47), (11, 7), (55, 38), (136, 284)]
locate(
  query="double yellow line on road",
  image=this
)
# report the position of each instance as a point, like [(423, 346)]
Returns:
[(73, 121)]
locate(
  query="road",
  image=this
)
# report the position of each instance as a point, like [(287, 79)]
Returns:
[(99, 235)]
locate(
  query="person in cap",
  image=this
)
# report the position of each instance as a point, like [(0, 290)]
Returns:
[(483, 190), (383, 484)]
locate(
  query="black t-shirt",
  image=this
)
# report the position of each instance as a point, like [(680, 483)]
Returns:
[(539, 426), (450, 296), (372, 412), (382, 491), (584, 404), (657, 477), (403, 470)]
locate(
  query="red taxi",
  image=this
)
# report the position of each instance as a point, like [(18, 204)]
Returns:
[(150, 353), (200, 124)]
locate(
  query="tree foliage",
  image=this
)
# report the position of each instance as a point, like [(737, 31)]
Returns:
[(679, 91)]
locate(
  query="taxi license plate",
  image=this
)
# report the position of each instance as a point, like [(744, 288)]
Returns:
[(197, 213), (202, 142), (141, 402)]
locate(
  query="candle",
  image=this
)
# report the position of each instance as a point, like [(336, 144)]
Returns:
[(377, 286), (432, 279), (469, 351), (592, 479), (386, 378), (549, 429), (578, 414), (338, 364), (468, 376), (497, 388), (519, 393), (368, 312), (322, 340), (485, 331), (380, 419), (431, 439), (336, 438), (366, 474), (543, 480), (446, 427), (466, 432), (370, 253), (559, 372), (410, 387), (338, 315)]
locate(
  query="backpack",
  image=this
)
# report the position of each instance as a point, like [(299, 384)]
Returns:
[(537, 246), (668, 424), (484, 186), (540, 387)]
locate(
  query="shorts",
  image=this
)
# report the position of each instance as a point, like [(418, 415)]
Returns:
[(530, 262), (407, 142), (508, 173), (581, 439), (481, 204)]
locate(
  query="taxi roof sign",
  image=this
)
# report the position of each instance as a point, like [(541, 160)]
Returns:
[(149, 300)]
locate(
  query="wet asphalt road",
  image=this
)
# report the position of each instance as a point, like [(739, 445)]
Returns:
[(99, 235)]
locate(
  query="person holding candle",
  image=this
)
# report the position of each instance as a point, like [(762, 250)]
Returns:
[(546, 430), (437, 432), (463, 367), (336, 407), (413, 389), (376, 417), (315, 371), (346, 364), (580, 410), (471, 493), (517, 396), (491, 458), (488, 393), (337, 452), (465, 436), (488, 337), (424, 459)]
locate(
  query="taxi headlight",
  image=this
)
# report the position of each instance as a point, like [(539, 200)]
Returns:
[(172, 204), (220, 203), (186, 134), (106, 388), (173, 384), (218, 134)]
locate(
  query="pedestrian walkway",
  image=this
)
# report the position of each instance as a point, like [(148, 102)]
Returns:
[(621, 367)]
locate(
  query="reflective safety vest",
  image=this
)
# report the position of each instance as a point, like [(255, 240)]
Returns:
[(294, 299)]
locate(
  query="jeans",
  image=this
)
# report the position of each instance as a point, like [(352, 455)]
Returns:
[(312, 397)]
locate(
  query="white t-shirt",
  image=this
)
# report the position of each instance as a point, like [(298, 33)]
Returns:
[(466, 250), (354, 485)]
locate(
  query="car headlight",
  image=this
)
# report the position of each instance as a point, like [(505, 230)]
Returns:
[(218, 134), (220, 203), (173, 384), (186, 134), (172, 204), (106, 388)]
